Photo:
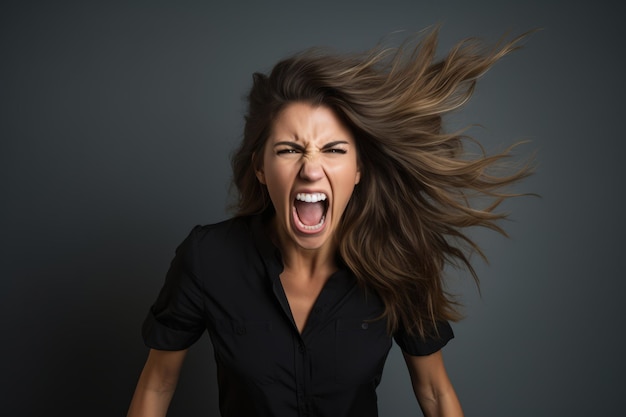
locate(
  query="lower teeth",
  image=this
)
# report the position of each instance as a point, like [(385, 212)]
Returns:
[(315, 227)]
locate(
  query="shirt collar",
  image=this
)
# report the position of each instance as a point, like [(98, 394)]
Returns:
[(270, 254), (267, 250)]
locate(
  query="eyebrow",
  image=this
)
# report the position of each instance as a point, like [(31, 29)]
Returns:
[(326, 146)]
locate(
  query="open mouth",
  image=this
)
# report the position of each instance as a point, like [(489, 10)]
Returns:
[(310, 211)]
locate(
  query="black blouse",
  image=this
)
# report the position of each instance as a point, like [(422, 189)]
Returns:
[(225, 278)]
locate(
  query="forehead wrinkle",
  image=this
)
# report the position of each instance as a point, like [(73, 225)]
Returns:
[(316, 127)]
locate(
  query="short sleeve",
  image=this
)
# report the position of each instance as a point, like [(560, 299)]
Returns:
[(177, 320), (418, 346)]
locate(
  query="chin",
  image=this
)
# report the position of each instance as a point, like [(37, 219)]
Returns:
[(309, 240)]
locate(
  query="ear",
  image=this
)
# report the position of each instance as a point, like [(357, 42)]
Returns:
[(260, 173), (357, 179)]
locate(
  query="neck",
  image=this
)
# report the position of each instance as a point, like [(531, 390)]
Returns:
[(318, 262)]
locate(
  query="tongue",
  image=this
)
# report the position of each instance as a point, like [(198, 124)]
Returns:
[(309, 214)]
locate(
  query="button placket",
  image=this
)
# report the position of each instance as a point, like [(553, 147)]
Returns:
[(301, 375)]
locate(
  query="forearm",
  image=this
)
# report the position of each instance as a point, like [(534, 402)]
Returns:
[(149, 402), (156, 384), (439, 404), (432, 387)]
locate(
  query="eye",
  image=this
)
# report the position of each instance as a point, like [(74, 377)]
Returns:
[(286, 151), (335, 150)]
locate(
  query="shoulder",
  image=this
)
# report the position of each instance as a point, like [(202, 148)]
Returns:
[(234, 229), (226, 244), (219, 240)]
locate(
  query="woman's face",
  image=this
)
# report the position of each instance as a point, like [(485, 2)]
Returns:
[(310, 169)]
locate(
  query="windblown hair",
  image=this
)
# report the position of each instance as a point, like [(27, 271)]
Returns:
[(419, 186)]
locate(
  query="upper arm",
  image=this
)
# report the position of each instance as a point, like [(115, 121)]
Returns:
[(160, 373), (427, 370), (432, 386)]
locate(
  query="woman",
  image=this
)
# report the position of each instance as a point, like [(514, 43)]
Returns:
[(351, 201)]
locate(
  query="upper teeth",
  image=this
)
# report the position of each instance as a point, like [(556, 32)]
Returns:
[(311, 198)]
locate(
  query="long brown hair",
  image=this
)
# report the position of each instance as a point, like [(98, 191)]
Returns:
[(407, 216)]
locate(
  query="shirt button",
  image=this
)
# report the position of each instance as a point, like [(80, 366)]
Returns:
[(301, 348), (365, 326), (240, 330)]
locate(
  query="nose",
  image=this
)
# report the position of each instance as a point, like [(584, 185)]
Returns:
[(311, 170)]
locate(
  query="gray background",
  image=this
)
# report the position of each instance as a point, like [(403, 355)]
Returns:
[(117, 121)]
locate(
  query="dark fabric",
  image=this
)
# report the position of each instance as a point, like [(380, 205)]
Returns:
[(225, 278)]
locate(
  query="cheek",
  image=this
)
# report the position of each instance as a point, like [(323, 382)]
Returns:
[(347, 177), (344, 190), (278, 186)]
